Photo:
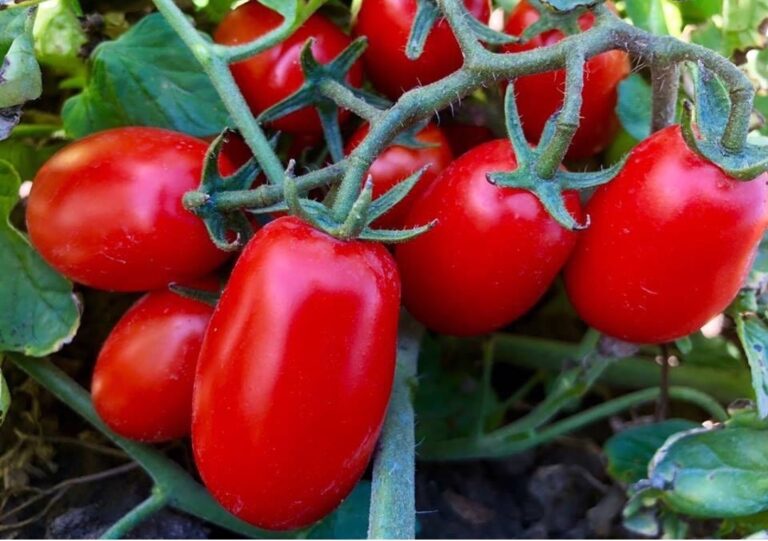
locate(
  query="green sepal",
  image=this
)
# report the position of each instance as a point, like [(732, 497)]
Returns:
[(408, 137), (278, 207), (427, 14), (309, 95), (358, 216), (395, 236), (394, 195), (201, 295), (712, 109)]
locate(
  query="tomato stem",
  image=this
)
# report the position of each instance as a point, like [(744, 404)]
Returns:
[(154, 503), (665, 82)]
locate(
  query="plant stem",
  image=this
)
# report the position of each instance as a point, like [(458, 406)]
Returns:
[(345, 98), (156, 501), (393, 508), (665, 81), (492, 446)]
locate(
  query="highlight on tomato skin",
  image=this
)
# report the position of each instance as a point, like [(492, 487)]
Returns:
[(274, 74), (396, 163), (295, 374), (540, 95), (143, 377), (677, 253), (492, 254), (106, 210), (387, 25)]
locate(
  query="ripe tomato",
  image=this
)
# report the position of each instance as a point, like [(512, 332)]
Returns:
[(397, 163), (106, 210), (540, 95), (491, 256), (463, 137), (671, 241), (275, 74), (387, 25), (142, 382), (295, 374)]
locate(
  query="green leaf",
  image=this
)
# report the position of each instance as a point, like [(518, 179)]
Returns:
[(58, 37), (20, 78), (26, 158), (5, 397), (38, 311), (350, 520), (629, 452), (660, 17), (634, 106), (214, 10), (146, 77), (753, 334), (698, 11), (716, 473)]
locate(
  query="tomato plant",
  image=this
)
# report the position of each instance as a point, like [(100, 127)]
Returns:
[(671, 241), (398, 162), (106, 210), (277, 373), (143, 377), (497, 249), (387, 25), (275, 74), (540, 95)]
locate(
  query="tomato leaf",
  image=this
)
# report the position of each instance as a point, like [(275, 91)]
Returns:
[(146, 77), (20, 78), (630, 451), (753, 334), (634, 106), (350, 520), (58, 37), (659, 17), (38, 311), (715, 473), (5, 397)]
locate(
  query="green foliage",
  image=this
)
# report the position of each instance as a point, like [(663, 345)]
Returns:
[(634, 106), (662, 17), (5, 396), (350, 520), (58, 37), (20, 78), (753, 334), (736, 29), (630, 451), (38, 312), (146, 77)]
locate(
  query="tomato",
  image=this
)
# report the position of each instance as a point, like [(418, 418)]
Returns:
[(671, 241), (295, 374), (397, 163), (540, 95), (106, 210), (493, 253), (275, 74), (387, 25), (142, 382), (463, 137)]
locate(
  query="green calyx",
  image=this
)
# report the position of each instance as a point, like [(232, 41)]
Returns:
[(710, 136), (201, 295), (538, 168), (365, 210), (229, 230), (324, 87)]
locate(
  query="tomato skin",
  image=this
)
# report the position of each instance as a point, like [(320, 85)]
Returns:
[(464, 137), (106, 210), (295, 374), (275, 74), (540, 95), (143, 378), (670, 243), (397, 163), (493, 253), (387, 25)]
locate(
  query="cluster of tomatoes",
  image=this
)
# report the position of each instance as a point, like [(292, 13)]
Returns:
[(285, 383)]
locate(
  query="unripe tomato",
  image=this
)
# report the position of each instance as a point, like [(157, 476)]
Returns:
[(142, 381), (106, 210), (387, 25), (540, 95), (295, 374), (493, 253), (397, 163), (275, 74), (671, 241)]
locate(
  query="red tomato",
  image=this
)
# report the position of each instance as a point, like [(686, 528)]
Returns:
[(295, 374), (397, 163), (275, 74), (463, 137), (387, 25), (142, 382), (106, 210), (493, 253), (540, 95), (671, 241)]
